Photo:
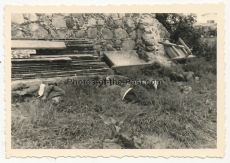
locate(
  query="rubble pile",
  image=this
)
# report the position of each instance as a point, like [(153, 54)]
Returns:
[(109, 32)]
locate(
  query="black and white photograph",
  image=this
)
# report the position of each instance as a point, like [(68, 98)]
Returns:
[(114, 80)]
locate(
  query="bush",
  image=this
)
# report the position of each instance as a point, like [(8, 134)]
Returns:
[(181, 26)]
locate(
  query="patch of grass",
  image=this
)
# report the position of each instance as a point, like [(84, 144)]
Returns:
[(186, 120)]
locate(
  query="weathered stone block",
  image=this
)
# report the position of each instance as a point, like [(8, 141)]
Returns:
[(118, 22), (92, 33), (61, 34), (76, 15), (81, 22), (17, 18), (107, 34), (80, 34), (59, 21), (147, 19), (130, 23), (109, 47), (33, 27), (117, 43), (121, 33), (128, 45), (100, 22), (15, 33), (114, 15), (32, 17), (54, 34), (132, 35), (40, 33), (92, 22), (70, 23)]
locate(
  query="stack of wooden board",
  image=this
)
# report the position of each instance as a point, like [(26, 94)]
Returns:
[(49, 62)]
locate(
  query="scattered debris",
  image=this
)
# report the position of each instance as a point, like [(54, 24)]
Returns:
[(45, 92)]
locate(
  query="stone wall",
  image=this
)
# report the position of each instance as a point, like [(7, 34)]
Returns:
[(115, 31)]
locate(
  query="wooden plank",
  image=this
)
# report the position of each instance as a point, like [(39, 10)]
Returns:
[(170, 52), (179, 58), (64, 52), (175, 50), (171, 44), (26, 64), (58, 67), (64, 72), (186, 53), (30, 51), (41, 59), (68, 55), (185, 46), (26, 44), (64, 75), (80, 45), (181, 52)]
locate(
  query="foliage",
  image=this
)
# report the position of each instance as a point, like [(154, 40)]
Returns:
[(181, 26)]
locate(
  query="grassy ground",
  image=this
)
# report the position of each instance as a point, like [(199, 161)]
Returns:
[(164, 118)]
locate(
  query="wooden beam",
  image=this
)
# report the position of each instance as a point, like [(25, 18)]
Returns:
[(18, 44), (171, 44), (42, 59), (178, 54), (185, 46), (23, 51), (67, 55), (179, 58), (63, 72)]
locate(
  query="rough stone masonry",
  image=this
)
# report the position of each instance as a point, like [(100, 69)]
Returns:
[(115, 31)]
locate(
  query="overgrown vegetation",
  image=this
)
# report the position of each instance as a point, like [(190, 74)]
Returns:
[(181, 26), (184, 121)]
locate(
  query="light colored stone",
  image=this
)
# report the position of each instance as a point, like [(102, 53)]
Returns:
[(100, 22), (128, 45), (17, 18), (147, 19), (121, 33), (61, 34), (114, 15), (80, 34), (15, 33), (33, 27), (118, 22), (92, 33), (107, 34), (32, 17), (92, 22), (81, 22), (40, 33), (132, 35), (58, 21), (130, 23), (65, 14)]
